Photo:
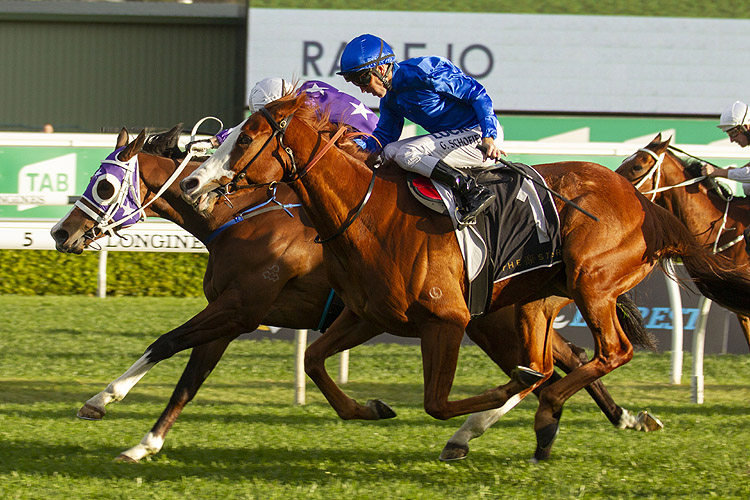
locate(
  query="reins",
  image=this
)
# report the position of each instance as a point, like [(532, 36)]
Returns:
[(656, 170), (269, 205)]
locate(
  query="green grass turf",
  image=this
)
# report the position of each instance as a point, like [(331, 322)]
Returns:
[(243, 438)]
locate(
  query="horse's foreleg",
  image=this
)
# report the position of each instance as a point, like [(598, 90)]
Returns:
[(94, 408), (211, 323), (346, 332), (202, 361), (495, 335)]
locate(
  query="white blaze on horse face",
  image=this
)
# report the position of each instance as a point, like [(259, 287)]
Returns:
[(74, 240), (208, 176)]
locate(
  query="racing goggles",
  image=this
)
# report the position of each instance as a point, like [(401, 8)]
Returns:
[(360, 78)]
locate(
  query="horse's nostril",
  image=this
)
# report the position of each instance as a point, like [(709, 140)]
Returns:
[(188, 184), (60, 236)]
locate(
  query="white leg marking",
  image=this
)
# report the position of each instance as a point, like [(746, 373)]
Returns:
[(478, 423), (627, 420), (120, 387), (149, 445)]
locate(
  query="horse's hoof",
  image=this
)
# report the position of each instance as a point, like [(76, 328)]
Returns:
[(88, 412), (544, 439), (648, 422), (453, 452), (381, 409), (122, 458), (526, 376)]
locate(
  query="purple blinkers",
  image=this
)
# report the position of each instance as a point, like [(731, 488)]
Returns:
[(114, 192)]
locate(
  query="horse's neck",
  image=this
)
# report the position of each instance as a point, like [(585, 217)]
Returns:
[(698, 210), (333, 190)]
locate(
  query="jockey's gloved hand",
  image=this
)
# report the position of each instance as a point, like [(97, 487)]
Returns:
[(706, 168), (199, 146)]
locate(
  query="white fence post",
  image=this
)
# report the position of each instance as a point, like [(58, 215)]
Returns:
[(300, 341), (344, 367), (101, 278), (675, 301), (699, 345)]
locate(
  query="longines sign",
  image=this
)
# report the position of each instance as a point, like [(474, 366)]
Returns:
[(548, 63), (149, 236)]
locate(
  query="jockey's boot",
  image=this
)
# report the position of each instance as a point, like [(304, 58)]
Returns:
[(472, 198)]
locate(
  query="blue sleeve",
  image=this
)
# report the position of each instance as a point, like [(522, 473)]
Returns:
[(446, 78), (388, 130)]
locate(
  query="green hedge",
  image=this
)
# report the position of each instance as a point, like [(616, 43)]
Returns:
[(48, 272)]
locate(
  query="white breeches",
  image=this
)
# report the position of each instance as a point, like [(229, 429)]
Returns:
[(457, 148)]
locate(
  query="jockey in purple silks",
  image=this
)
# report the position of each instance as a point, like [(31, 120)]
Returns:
[(342, 107)]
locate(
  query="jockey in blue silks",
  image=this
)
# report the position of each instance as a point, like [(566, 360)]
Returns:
[(434, 93)]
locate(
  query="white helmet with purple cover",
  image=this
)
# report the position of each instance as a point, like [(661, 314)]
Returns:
[(268, 90)]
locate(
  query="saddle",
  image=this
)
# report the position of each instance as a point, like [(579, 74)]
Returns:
[(520, 232)]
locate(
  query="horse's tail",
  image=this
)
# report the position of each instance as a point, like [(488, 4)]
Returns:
[(715, 276), (631, 321)]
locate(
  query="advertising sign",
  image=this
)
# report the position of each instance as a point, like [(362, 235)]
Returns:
[(528, 63)]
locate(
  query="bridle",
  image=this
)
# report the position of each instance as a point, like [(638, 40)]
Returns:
[(291, 173), (105, 222), (655, 171), (279, 129)]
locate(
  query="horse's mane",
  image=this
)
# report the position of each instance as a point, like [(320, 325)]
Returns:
[(164, 143), (692, 168), (321, 122)]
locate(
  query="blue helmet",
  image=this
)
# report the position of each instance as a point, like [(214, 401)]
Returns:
[(365, 51)]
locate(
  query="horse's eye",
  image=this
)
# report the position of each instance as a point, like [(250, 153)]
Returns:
[(637, 167), (105, 188), (244, 140)]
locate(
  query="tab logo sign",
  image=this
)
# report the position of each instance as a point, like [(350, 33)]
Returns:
[(56, 175)]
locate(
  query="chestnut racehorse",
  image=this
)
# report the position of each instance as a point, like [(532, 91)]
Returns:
[(676, 185), (241, 297), (398, 267)]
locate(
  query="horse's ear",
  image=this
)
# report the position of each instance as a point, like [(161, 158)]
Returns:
[(656, 139), (134, 147), (661, 146), (122, 138)]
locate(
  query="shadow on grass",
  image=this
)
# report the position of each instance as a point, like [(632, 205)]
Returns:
[(264, 463)]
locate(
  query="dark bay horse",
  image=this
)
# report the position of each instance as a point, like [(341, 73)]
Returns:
[(398, 267), (240, 296), (670, 181)]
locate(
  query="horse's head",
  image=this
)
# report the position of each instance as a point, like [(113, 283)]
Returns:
[(642, 168), (254, 155), (111, 201)]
